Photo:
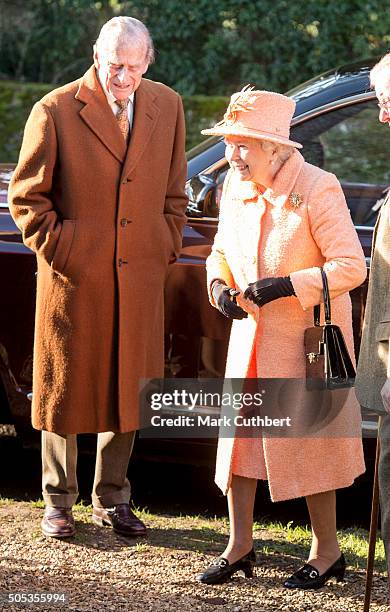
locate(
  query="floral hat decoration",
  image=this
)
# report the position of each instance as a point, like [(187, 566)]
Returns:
[(257, 114)]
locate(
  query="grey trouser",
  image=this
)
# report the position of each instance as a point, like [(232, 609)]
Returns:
[(384, 484), (59, 463)]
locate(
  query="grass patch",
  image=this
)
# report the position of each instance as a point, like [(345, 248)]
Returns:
[(196, 533), (80, 507), (83, 508), (6, 501), (38, 504), (290, 538), (209, 535), (144, 513)]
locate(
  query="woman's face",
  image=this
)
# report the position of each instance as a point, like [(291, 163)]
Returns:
[(249, 160), (382, 90)]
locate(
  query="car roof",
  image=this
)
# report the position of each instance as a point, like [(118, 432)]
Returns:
[(342, 82)]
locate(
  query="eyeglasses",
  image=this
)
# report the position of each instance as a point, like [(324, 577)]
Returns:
[(384, 105)]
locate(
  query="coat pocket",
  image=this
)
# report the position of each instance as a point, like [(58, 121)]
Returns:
[(64, 245), (168, 240), (382, 331)]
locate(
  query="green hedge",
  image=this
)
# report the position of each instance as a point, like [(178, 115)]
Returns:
[(17, 99), (202, 47), (202, 112)]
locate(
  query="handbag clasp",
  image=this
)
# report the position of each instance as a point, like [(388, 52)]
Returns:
[(312, 357)]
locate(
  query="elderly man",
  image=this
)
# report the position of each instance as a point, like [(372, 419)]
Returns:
[(98, 195), (373, 375)]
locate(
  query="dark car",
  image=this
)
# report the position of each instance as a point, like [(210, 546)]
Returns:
[(336, 120)]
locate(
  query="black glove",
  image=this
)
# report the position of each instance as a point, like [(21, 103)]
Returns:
[(268, 289), (224, 297)]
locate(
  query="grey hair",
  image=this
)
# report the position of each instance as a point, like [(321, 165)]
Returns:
[(126, 29), (382, 66), (282, 151)]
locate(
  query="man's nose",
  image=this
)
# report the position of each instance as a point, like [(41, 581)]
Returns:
[(122, 74)]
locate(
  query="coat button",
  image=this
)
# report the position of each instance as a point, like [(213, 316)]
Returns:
[(124, 222), (121, 262)]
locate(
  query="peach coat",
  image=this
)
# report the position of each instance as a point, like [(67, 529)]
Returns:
[(263, 236), (104, 220)]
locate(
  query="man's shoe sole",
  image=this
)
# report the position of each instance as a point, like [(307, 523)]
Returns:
[(57, 535)]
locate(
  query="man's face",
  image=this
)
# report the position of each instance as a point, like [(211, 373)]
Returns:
[(382, 90), (248, 159), (121, 67)]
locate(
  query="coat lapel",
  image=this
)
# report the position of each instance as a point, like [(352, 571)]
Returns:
[(146, 113), (98, 115), (382, 210), (285, 180)]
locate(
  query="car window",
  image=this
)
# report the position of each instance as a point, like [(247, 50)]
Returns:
[(353, 144), (204, 192)]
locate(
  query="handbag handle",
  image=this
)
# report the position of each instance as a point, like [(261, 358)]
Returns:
[(317, 308)]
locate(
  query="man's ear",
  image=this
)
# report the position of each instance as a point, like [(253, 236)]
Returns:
[(96, 57)]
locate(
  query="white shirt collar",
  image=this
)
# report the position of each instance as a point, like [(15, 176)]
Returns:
[(112, 100)]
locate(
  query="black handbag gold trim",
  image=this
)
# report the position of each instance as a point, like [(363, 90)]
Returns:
[(328, 363)]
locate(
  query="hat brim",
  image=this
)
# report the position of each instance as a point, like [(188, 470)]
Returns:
[(225, 130)]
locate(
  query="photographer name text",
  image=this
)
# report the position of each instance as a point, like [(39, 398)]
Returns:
[(223, 421)]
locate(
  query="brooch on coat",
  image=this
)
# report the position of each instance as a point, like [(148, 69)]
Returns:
[(295, 199)]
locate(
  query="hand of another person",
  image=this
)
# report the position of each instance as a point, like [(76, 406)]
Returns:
[(268, 289), (385, 394), (224, 299)]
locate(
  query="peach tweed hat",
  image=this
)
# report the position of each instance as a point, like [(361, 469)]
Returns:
[(257, 114)]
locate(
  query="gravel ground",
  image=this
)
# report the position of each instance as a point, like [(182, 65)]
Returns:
[(102, 571)]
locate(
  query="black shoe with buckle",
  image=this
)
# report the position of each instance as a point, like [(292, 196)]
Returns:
[(220, 570), (308, 576)]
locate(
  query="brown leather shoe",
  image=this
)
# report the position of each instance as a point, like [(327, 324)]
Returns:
[(58, 523), (121, 518)]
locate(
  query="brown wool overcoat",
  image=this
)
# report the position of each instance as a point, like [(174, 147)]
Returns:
[(104, 221)]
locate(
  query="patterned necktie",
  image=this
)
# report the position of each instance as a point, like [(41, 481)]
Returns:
[(122, 118)]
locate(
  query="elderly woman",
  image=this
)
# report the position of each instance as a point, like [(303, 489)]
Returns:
[(281, 220)]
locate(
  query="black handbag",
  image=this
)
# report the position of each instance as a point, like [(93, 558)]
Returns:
[(328, 364)]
